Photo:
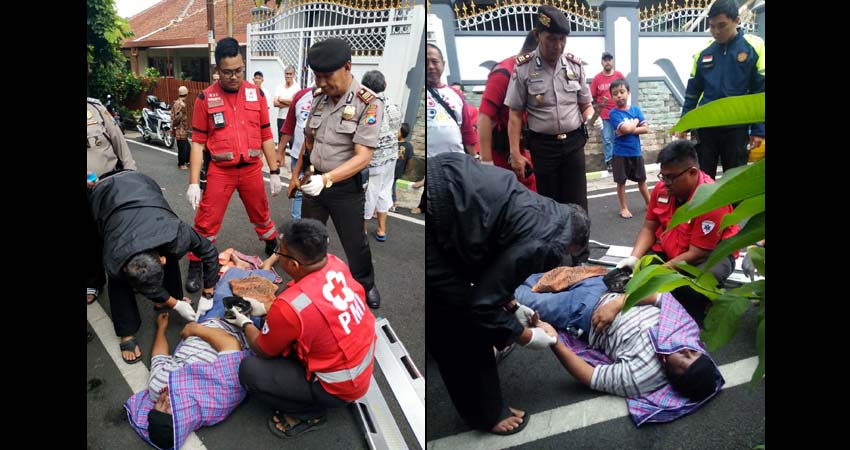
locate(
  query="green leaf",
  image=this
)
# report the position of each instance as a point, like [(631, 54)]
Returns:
[(744, 210), (659, 283), (758, 375), (759, 447), (736, 185), (757, 256), (752, 232), (755, 288), (721, 322), (743, 109)]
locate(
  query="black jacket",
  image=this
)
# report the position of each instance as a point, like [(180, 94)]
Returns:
[(133, 216), (494, 232)]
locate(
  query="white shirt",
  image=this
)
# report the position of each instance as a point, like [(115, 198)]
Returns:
[(302, 112), (285, 92), (441, 130)]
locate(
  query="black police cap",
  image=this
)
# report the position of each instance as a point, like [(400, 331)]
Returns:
[(552, 19), (328, 55)]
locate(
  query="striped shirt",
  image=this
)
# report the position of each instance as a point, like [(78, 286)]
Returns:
[(636, 369), (190, 351)]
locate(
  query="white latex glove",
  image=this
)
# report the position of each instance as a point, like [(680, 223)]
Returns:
[(185, 310), (204, 305), (275, 184), (540, 340), (257, 307), (194, 195), (239, 319), (523, 315), (629, 262), (314, 186)]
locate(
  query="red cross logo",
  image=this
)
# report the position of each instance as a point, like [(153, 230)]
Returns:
[(337, 291)]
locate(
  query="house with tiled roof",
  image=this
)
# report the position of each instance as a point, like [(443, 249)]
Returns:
[(172, 36)]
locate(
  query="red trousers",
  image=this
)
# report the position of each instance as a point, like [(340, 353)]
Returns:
[(221, 182)]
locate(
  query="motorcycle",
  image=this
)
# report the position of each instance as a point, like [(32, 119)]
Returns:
[(119, 122), (156, 122)]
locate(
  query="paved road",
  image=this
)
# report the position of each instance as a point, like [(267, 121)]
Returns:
[(400, 278), (566, 414)]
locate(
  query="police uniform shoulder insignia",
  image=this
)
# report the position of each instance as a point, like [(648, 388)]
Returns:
[(573, 58), (371, 114), (366, 95), (524, 58)]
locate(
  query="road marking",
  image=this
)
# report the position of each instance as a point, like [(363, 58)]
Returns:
[(572, 417), (390, 214), (136, 375), (608, 194)]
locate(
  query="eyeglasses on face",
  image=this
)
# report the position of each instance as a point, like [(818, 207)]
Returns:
[(671, 178), (232, 73)]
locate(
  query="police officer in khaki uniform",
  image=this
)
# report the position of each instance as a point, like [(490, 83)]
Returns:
[(552, 87), (340, 135), (106, 151)]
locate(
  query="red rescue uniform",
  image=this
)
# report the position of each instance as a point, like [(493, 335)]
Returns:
[(233, 126), (703, 231), (326, 317), (493, 104)]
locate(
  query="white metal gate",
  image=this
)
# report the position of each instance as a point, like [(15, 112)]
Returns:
[(384, 35)]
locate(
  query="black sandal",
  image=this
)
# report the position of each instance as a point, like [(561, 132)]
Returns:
[(291, 431), (130, 346), (521, 426)]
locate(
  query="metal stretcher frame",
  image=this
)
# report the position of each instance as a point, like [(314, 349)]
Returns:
[(616, 253)]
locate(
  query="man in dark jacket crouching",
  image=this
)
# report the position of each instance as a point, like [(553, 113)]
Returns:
[(485, 234), (143, 241)]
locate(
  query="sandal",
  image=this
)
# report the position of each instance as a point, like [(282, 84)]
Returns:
[(291, 431), (502, 354), (516, 430), (94, 292), (130, 346)]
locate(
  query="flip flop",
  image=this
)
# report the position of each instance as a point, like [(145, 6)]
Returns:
[(624, 217), (291, 431), (94, 292), (516, 430), (380, 238), (130, 346)]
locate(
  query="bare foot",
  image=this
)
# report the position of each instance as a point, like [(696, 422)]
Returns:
[(511, 422), (625, 213), (416, 211)]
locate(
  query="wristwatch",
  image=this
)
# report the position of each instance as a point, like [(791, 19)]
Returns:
[(328, 181), (275, 172)]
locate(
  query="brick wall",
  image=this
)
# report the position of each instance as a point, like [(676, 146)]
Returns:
[(660, 109)]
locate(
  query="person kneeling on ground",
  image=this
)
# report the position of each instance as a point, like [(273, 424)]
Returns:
[(323, 317)]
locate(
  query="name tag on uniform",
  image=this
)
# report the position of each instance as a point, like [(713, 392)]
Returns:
[(535, 80), (218, 120), (214, 101), (250, 95), (663, 200)]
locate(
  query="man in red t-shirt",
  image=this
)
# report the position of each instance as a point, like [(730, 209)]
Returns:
[(316, 348), (493, 117), (691, 242), (604, 104)]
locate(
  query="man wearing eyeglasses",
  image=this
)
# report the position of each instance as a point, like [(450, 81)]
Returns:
[(691, 242), (231, 120), (316, 348)]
